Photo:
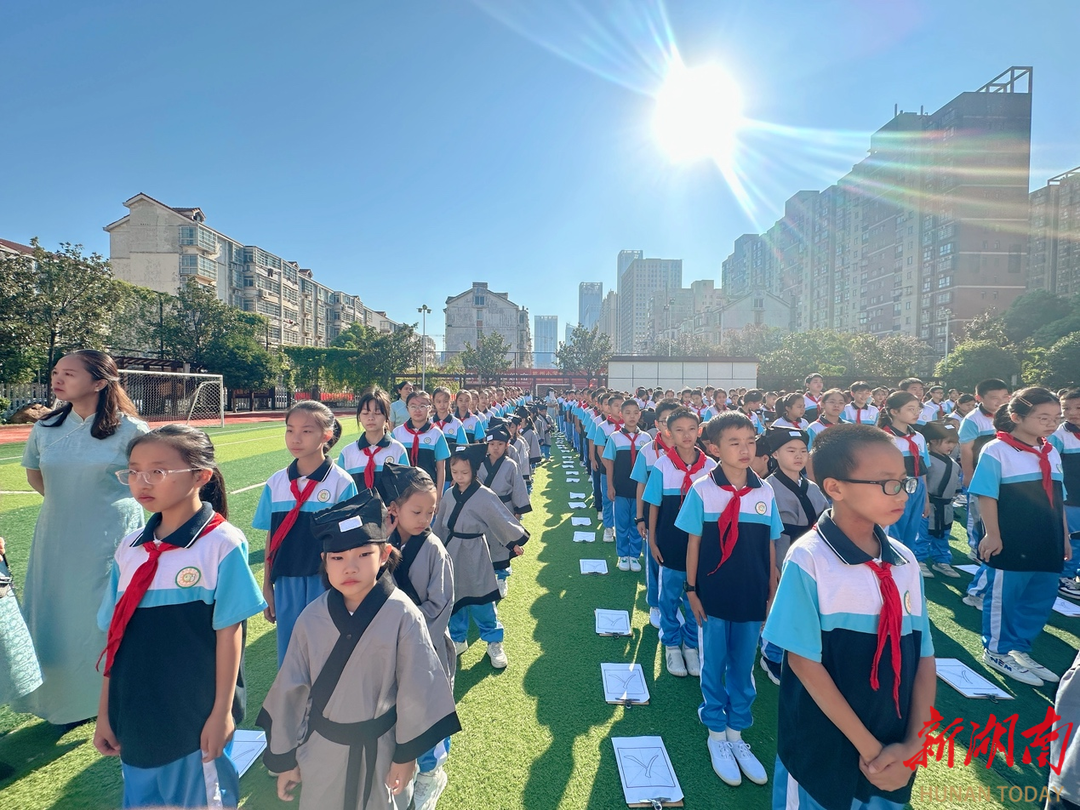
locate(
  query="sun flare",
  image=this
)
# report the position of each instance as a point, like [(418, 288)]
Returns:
[(698, 114)]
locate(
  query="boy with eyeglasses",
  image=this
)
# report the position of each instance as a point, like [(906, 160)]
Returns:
[(858, 679)]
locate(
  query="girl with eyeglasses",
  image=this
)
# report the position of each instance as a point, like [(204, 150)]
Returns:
[(1020, 487), (898, 418), (179, 594)]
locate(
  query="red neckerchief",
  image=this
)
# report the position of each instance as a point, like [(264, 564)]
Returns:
[(728, 523), (661, 448), (618, 423), (136, 590), (890, 625), (1042, 451), (687, 471), (414, 451), (290, 517), (913, 448), (825, 422), (633, 437), (858, 413), (940, 409), (441, 423), (369, 469), (812, 398)]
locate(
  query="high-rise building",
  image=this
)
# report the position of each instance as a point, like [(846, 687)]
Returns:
[(639, 279), (478, 312), (546, 339), (609, 318), (160, 247), (924, 234), (590, 296), (1054, 239)]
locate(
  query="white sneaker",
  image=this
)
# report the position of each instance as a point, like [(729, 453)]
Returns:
[(504, 585), (723, 762), (1069, 587), (693, 661), (1033, 666), (428, 787), (497, 655), (460, 647), (673, 660), (748, 763), (1007, 666), (623, 564), (946, 570), (654, 617), (925, 570), (609, 535), (635, 564), (975, 601)]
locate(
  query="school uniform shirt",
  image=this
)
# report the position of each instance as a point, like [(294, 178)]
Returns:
[(431, 446), (977, 427), (468, 523), (646, 459), (827, 609), (853, 414), (603, 430), (664, 491), (800, 503), (942, 484), (782, 422), (164, 677), (1067, 443), (426, 575), (815, 428), (453, 430), (391, 679), (737, 590), (933, 412), (759, 422), (299, 554), (917, 463), (812, 404), (355, 457), (622, 450), (1032, 529)]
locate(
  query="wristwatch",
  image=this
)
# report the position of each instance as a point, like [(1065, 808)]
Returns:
[(686, 586), (639, 520)]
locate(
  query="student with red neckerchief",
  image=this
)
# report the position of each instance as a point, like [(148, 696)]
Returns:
[(1067, 440), (814, 384), (1020, 486), (898, 419)]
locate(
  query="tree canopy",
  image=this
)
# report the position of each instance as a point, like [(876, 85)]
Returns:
[(488, 358), (586, 353)]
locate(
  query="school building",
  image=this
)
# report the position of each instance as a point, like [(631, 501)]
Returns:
[(1054, 237), (480, 311)]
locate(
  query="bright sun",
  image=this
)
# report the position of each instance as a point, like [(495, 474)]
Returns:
[(698, 113)]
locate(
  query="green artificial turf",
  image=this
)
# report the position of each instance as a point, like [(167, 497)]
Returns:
[(536, 735)]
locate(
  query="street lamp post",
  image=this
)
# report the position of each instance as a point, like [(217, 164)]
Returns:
[(423, 309)]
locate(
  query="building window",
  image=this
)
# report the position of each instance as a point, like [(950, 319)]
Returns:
[(478, 300)]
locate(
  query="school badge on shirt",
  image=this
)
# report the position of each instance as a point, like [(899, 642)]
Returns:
[(323, 496), (761, 508), (188, 577), (907, 601)]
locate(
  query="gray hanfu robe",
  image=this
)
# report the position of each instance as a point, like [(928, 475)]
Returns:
[(505, 480), (384, 698), (426, 575), (463, 522)]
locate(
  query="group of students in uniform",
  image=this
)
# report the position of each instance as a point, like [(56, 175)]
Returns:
[(804, 524)]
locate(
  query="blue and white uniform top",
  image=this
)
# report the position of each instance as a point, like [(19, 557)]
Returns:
[(759, 422), (977, 427), (1068, 444), (618, 452), (814, 429), (827, 609), (933, 412), (866, 415), (664, 491), (431, 446), (917, 463), (163, 680), (299, 554), (782, 422), (1032, 529), (738, 590), (355, 456), (452, 428), (646, 460)]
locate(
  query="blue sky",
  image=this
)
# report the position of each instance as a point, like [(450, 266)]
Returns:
[(403, 150)]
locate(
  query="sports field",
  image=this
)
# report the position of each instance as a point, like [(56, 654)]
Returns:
[(535, 734)]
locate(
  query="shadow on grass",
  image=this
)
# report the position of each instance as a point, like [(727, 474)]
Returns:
[(34, 746), (92, 787)]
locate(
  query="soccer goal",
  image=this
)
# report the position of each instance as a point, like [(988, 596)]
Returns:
[(165, 396)]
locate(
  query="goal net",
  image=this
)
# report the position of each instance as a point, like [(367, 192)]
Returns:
[(164, 396)]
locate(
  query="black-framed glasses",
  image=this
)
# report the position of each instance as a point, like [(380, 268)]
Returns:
[(890, 486)]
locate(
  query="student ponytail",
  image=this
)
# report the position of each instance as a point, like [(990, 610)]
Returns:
[(213, 492), (784, 403), (1002, 421), (197, 451), (895, 402)]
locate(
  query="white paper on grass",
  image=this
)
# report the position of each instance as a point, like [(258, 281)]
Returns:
[(967, 681), (577, 494), (584, 537), (967, 569), (1066, 608), (577, 504), (624, 683), (573, 480), (612, 622), (580, 521), (246, 747), (646, 772), (593, 566)]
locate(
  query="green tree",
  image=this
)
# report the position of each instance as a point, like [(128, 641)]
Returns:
[(975, 360), (137, 322), (488, 359), (586, 353), (1031, 311), (1063, 362), (73, 300), (18, 356), (753, 340), (987, 326), (887, 357), (824, 351), (375, 357), (307, 365)]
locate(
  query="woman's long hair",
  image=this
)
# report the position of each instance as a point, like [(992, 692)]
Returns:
[(113, 400)]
